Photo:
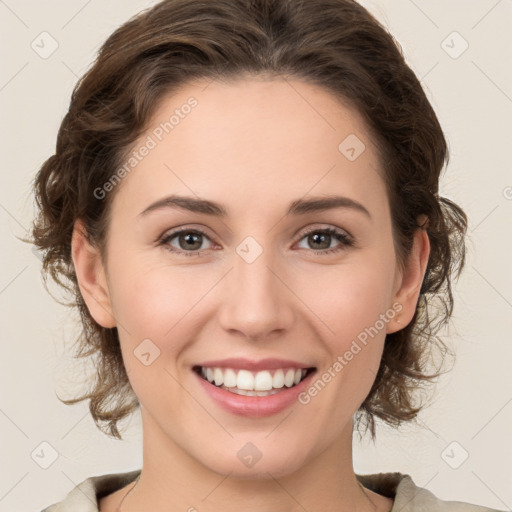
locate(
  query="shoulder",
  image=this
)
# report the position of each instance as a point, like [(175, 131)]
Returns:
[(408, 497), (85, 496)]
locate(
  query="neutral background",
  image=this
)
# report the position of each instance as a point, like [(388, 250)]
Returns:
[(472, 416)]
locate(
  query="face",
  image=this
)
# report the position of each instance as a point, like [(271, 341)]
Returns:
[(316, 287)]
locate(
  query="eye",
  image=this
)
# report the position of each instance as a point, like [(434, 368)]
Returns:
[(324, 237), (189, 241)]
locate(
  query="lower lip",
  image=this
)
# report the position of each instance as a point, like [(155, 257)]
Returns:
[(254, 406)]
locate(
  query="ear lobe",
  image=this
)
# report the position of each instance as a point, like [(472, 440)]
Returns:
[(91, 277), (410, 282)]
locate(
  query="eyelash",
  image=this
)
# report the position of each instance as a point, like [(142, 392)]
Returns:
[(346, 241)]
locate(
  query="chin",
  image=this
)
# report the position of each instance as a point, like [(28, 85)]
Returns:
[(254, 460)]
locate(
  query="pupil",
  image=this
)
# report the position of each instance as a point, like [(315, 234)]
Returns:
[(191, 235), (319, 235)]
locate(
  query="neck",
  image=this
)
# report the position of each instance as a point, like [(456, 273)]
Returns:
[(173, 480)]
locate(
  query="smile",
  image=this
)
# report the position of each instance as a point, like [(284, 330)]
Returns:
[(247, 383)]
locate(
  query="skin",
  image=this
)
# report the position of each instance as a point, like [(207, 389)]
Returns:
[(253, 145)]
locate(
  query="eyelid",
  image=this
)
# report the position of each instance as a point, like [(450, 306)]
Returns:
[(186, 227), (322, 227)]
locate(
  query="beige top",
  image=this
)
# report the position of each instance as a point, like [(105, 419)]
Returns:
[(407, 496)]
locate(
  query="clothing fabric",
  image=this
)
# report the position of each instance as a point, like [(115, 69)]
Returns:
[(407, 496)]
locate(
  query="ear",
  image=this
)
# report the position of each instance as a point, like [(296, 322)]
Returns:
[(91, 277), (408, 284)]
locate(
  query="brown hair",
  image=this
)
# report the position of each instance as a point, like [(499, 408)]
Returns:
[(336, 44)]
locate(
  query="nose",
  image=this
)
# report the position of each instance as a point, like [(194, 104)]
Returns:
[(258, 301)]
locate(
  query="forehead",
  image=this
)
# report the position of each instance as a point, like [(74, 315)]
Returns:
[(250, 138)]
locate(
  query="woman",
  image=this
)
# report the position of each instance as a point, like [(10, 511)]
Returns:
[(244, 200)]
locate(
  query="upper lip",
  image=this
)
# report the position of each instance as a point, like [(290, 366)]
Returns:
[(253, 365)]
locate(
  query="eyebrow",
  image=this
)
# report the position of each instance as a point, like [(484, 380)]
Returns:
[(298, 207)]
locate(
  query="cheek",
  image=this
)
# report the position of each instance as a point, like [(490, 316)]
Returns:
[(350, 299), (155, 305), (149, 299), (353, 309)]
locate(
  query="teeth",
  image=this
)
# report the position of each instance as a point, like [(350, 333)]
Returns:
[(218, 376), (251, 393), (246, 381), (229, 378)]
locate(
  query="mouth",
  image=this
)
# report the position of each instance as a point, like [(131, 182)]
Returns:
[(253, 383)]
